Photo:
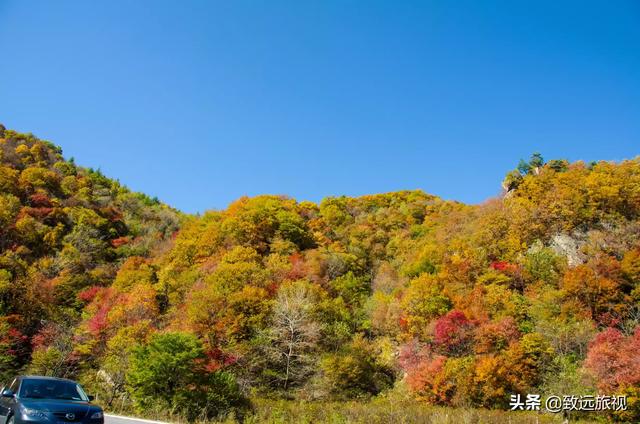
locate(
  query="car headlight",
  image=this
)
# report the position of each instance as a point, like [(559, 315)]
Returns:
[(97, 415), (34, 413)]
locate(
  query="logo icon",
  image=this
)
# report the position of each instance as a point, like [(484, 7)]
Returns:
[(70, 416)]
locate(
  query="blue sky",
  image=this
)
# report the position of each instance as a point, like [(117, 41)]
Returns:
[(200, 102)]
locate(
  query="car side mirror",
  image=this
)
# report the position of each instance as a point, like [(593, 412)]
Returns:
[(7, 393), (91, 398)]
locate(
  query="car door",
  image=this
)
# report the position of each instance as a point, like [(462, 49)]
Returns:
[(10, 403), (3, 413), (6, 404)]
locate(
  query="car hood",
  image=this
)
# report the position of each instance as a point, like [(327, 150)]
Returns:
[(57, 405)]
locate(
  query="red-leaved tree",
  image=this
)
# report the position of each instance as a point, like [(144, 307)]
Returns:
[(614, 360), (453, 333)]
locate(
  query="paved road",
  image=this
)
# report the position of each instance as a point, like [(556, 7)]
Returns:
[(116, 419)]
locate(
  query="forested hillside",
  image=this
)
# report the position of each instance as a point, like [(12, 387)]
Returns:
[(534, 291), (64, 231)]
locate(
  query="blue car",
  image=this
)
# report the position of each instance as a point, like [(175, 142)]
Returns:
[(33, 399)]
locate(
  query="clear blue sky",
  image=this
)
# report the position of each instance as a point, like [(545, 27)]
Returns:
[(200, 102)]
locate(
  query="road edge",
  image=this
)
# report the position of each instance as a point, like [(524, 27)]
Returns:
[(142, 420)]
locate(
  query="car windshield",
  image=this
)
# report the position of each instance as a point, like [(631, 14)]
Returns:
[(33, 388)]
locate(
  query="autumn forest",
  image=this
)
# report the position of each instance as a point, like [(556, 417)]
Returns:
[(206, 317)]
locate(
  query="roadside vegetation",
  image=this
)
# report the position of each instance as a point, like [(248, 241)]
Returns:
[(380, 410)]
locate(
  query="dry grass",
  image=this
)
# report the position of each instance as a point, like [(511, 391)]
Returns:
[(394, 406), (383, 411)]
